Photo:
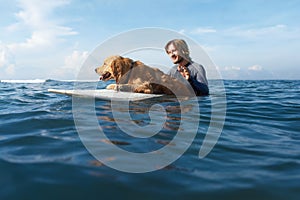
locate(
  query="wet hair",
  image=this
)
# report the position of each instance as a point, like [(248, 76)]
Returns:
[(181, 46)]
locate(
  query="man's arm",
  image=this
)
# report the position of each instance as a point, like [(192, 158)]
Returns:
[(199, 88), (198, 80)]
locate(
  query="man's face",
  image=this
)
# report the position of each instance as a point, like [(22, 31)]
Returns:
[(174, 54)]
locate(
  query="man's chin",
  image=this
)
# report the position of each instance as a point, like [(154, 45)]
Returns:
[(177, 61)]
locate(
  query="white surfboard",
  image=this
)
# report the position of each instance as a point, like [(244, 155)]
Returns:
[(105, 94)]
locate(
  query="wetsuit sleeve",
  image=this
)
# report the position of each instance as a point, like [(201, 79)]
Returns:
[(198, 80), (199, 88)]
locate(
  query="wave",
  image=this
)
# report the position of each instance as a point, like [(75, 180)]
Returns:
[(24, 81)]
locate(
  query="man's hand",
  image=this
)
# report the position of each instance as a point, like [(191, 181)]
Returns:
[(184, 72)]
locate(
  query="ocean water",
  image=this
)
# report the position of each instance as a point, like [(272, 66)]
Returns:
[(257, 155)]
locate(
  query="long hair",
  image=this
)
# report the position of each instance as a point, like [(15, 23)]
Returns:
[(182, 48)]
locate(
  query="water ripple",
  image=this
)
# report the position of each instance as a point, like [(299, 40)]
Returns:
[(256, 157)]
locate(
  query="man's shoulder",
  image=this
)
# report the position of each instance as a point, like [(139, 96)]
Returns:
[(197, 66)]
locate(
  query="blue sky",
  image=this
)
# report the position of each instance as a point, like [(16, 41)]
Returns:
[(255, 39)]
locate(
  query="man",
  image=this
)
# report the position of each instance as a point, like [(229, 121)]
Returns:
[(185, 68)]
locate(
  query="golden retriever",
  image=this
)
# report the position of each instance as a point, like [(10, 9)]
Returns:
[(135, 76)]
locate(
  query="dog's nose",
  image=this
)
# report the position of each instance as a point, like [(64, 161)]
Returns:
[(96, 70)]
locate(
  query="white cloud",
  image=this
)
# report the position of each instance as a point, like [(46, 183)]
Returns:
[(255, 68), (232, 68), (75, 59), (36, 17), (10, 70), (72, 64), (41, 35), (35, 13), (270, 32), (7, 62), (255, 72)]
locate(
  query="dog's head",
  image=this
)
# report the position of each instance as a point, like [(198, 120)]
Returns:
[(105, 70), (114, 67)]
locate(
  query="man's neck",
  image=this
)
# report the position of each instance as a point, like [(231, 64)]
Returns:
[(184, 63)]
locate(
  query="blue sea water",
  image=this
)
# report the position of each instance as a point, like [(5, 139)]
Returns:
[(257, 155)]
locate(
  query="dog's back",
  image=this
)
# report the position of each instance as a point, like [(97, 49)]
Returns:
[(142, 75)]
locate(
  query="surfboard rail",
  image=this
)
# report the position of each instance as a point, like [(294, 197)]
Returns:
[(105, 94)]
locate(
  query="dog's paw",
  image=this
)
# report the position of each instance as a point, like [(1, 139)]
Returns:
[(111, 87)]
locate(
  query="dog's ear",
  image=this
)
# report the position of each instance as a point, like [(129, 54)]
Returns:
[(116, 67), (127, 62), (127, 65), (120, 67)]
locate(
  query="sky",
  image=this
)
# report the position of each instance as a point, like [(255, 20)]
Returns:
[(257, 39)]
